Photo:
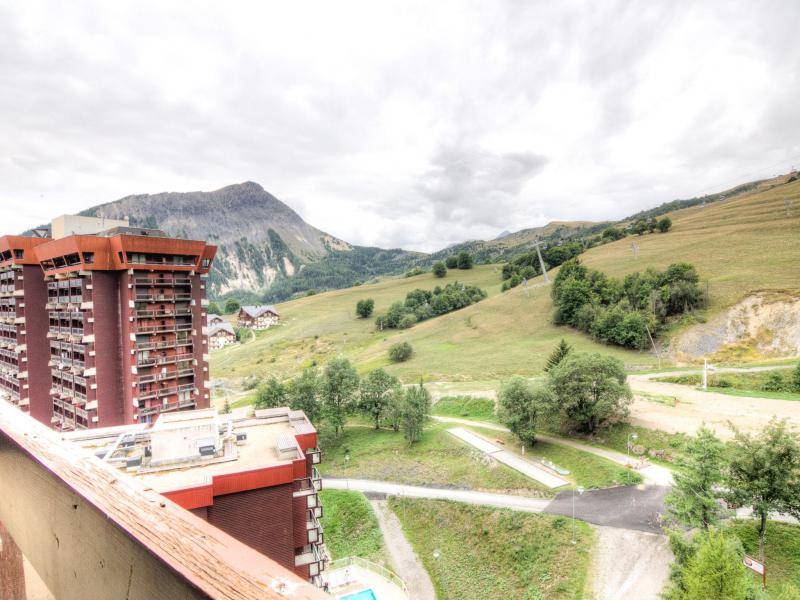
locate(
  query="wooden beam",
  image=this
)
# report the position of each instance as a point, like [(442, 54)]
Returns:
[(92, 532)]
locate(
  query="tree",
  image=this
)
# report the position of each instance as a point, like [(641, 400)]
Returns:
[(716, 571), (591, 392), (270, 394), (231, 306), (414, 412), (693, 499), (560, 353), (439, 269), (400, 352), (365, 307), (639, 227), (521, 407), (464, 260), (226, 408), (393, 413), (664, 224), (612, 234), (451, 262), (377, 390), (303, 394), (764, 473), (214, 309), (338, 389)]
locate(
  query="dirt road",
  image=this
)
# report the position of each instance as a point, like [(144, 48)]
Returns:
[(695, 407), (629, 565)]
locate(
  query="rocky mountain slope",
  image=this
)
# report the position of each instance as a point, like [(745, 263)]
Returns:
[(260, 238)]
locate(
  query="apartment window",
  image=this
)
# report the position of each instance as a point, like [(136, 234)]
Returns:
[(206, 263), (88, 258), (121, 257), (19, 253)]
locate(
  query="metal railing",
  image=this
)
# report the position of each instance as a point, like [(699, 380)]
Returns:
[(343, 563)]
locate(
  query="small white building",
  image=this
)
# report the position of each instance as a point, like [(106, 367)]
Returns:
[(258, 317), (220, 334)]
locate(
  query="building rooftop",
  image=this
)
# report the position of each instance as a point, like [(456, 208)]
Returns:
[(257, 311), (187, 449), (221, 326)]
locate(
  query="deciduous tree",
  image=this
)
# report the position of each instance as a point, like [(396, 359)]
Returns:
[(591, 392), (377, 390), (365, 307), (522, 406), (338, 390), (439, 269), (303, 394), (414, 413), (270, 394), (764, 473)]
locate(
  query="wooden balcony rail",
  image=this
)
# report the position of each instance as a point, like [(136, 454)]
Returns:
[(90, 531)]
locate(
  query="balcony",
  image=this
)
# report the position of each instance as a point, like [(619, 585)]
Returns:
[(310, 554), (163, 360), (162, 344), (157, 314), (162, 297), (169, 328), (159, 281), (177, 374)]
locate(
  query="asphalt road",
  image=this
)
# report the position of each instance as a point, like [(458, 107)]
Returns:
[(625, 507)]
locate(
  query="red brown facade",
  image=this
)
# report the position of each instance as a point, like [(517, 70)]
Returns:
[(125, 315), (24, 351)]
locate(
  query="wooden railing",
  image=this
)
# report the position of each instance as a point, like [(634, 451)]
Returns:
[(90, 531)]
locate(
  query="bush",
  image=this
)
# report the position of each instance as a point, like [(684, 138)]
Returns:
[(214, 309), (365, 307), (232, 306), (664, 224), (451, 262), (612, 234), (415, 271), (425, 304), (400, 352), (464, 260), (439, 269), (796, 379), (773, 382)]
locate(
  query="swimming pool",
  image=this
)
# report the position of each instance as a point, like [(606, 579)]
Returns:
[(362, 595)]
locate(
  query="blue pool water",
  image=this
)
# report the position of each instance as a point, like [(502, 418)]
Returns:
[(362, 595)]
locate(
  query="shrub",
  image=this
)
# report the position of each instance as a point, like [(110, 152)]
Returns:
[(612, 234), (451, 262), (424, 304), (773, 382), (415, 271), (439, 269), (796, 379), (400, 352), (664, 224), (232, 306), (365, 307), (464, 260)]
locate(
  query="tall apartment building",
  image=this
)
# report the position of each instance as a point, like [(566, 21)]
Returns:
[(24, 350), (254, 478), (125, 313)]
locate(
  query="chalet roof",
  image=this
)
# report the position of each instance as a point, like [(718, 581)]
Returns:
[(217, 327), (256, 311)]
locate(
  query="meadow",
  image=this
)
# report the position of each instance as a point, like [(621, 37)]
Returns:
[(740, 245), (475, 553)]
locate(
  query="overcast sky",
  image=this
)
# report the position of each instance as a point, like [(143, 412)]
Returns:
[(413, 124)]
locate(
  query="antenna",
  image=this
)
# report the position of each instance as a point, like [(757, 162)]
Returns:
[(536, 245)]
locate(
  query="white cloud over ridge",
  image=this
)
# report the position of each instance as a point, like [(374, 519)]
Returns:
[(410, 124)]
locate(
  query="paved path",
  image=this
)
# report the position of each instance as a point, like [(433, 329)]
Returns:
[(653, 474), (510, 459), (625, 507), (405, 561), (413, 491), (630, 565)]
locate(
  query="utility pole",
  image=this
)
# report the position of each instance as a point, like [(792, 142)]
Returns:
[(536, 245), (635, 249)]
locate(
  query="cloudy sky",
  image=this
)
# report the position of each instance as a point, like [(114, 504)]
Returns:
[(413, 124)]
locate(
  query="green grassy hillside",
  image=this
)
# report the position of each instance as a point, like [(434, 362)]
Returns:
[(739, 245)]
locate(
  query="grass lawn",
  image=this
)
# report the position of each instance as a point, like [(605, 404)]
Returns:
[(782, 551), (351, 528), (616, 438), (512, 333), (465, 407), (487, 553), (439, 459), (585, 469)]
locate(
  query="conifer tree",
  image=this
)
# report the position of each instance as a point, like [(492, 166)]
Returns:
[(559, 354)]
